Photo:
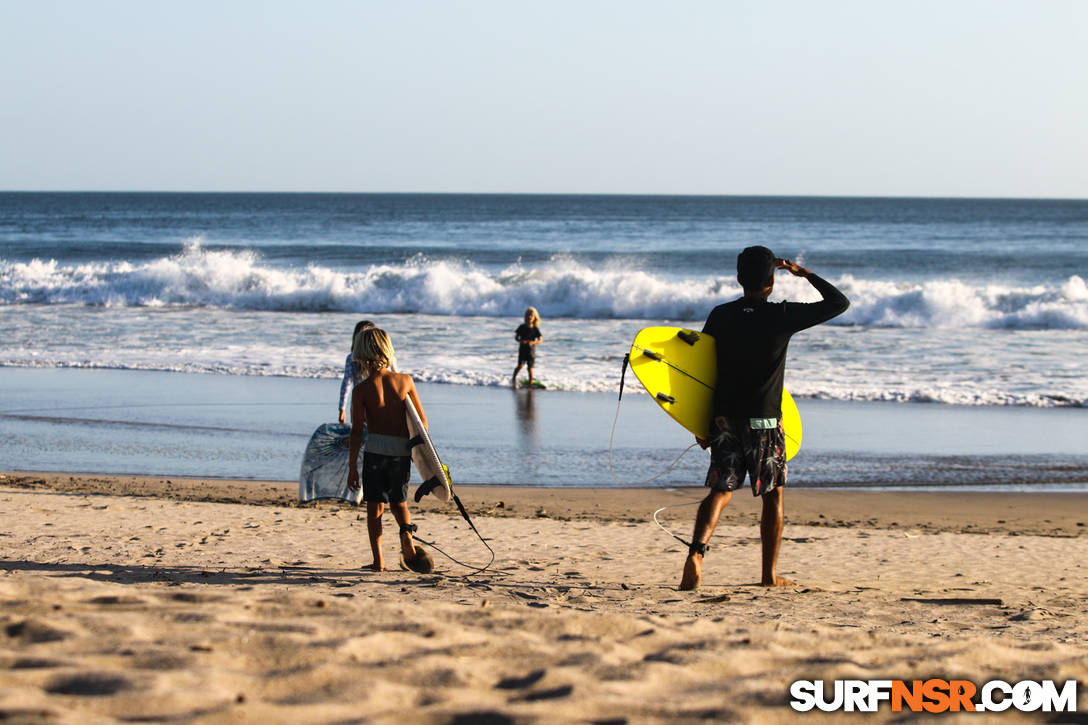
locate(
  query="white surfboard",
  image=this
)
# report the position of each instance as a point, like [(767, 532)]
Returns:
[(436, 477), (324, 472)]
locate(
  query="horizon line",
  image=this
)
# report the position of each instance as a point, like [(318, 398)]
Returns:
[(920, 197)]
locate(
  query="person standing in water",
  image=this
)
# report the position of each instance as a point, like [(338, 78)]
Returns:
[(746, 434), (528, 337)]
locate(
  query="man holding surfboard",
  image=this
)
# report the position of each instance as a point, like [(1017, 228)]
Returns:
[(746, 436)]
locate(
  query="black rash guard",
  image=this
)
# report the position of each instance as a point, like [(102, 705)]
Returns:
[(752, 335), (524, 335)]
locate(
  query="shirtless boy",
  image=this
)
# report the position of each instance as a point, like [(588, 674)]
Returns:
[(378, 404)]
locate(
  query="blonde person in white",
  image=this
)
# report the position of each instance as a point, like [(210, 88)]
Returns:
[(353, 372)]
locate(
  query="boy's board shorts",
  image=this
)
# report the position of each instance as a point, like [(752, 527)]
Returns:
[(526, 356), (737, 448), (385, 478)]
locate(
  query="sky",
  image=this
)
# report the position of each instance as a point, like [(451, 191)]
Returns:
[(856, 98)]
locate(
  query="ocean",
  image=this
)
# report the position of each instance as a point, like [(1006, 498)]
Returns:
[(971, 310)]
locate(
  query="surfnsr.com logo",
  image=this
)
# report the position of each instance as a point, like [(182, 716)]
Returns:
[(933, 695)]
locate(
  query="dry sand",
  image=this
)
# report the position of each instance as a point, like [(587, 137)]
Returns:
[(130, 599)]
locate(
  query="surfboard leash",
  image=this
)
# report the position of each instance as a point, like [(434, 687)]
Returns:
[(468, 520), (475, 569), (612, 437), (464, 514), (623, 374), (670, 533)]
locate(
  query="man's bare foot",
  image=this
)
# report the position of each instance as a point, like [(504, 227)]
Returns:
[(693, 573), (778, 581), (375, 566)]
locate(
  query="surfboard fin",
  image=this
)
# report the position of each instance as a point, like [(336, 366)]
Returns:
[(426, 487), (689, 336), (665, 398)]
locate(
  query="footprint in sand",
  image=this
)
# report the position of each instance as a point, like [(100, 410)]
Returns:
[(482, 717), (36, 663), (92, 684), (443, 677), (194, 597), (552, 694), (1031, 615), (160, 661), (35, 631), (114, 600), (520, 683), (20, 714)]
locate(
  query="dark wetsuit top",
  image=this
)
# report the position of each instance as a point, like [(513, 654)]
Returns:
[(752, 335), (524, 335)]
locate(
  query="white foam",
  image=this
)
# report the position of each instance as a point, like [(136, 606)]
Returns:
[(562, 287), (231, 313), (1039, 368)]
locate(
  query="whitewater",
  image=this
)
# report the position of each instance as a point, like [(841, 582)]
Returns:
[(560, 287), (204, 334), (230, 312), (960, 302)]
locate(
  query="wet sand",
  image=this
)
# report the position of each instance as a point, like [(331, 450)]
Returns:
[(1048, 514), (188, 600)]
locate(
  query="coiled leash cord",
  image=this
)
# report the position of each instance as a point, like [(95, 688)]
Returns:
[(464, 514), (700, 548)]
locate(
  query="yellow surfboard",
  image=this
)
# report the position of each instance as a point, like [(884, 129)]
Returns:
[(679, 368)]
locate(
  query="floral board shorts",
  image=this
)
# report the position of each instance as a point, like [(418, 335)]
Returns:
[(385, 478), (737, 448)]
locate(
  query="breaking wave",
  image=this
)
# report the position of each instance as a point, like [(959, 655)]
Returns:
[(561, 287)]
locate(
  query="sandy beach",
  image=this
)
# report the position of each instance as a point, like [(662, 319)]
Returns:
[(187, 600), (877, 211)]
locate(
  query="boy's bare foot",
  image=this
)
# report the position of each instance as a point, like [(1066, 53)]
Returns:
[(779, 581), (693, 572)]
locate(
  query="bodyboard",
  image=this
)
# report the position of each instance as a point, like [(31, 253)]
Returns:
[(679, 369), (436, 477), (324, 472)]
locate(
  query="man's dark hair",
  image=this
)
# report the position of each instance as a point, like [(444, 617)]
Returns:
[(755, 267)]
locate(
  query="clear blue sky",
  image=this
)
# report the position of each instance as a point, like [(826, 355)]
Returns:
[(920, 98)]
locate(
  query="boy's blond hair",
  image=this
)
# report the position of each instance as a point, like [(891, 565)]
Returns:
[(372, 349), (532, 317)]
